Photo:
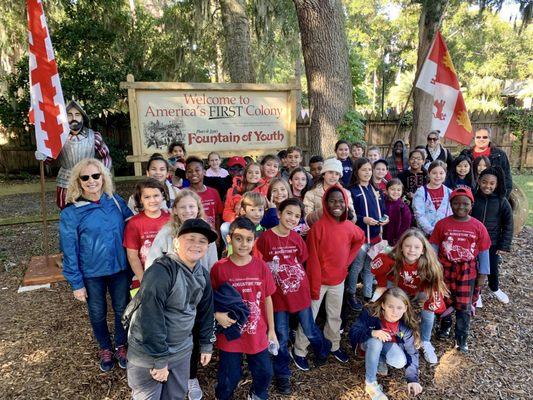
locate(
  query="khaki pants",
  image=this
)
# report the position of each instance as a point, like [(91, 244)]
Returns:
[(332, 328)]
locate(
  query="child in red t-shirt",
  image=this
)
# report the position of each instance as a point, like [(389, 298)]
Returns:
[(462, 243), (285, 252), (142, 228), (213, 207), (412, 266), (253, 280)]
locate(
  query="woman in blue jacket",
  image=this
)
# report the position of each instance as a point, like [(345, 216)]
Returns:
[(91, 230)]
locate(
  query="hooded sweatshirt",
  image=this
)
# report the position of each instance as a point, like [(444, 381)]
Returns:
[(393, 168), (332, 246)]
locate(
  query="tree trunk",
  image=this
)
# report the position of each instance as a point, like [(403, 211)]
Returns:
[(428, 24), (238, 54), (325, 51)]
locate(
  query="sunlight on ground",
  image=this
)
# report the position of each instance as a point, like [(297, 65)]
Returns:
[(450, 366)]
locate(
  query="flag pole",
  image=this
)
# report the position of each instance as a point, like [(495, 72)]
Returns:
[(43, 212), (417, 74)]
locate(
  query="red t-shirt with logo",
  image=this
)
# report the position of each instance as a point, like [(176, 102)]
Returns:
[(254, 282), (409, 281), (436, 196), (293, 293), (212, 205), (391, 328)]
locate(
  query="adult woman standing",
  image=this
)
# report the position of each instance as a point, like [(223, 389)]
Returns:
[(91, 230)]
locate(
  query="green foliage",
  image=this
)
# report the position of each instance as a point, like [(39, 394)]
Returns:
[(118, 155), (519, 120), (352, 129)]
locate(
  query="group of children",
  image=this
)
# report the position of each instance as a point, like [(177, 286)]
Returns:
[(421, 240)]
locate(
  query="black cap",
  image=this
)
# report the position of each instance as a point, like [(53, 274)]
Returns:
[(198, 225)]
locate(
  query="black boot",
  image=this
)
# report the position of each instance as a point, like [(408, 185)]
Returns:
[(445, 328), (283, 385)]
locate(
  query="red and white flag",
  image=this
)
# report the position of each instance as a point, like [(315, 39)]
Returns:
[(47, 110), (439, 79)]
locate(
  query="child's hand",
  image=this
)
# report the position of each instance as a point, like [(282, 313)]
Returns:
[(414, 387), (237, 208), (381, 335), (272, 337), (481, 280), (205, 358), (224, 320)]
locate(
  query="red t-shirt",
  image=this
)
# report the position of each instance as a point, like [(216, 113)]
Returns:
[(399, 165), (212, 205), (460, 241), (409, 281), (390, 327), (293, 293), (485, 153), (254, 282), (436, 196)]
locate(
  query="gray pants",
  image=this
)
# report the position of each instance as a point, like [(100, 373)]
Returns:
[(144, 387)]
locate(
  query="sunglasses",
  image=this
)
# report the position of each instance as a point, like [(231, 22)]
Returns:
[(85, 178), (482, 137), (432, 139)]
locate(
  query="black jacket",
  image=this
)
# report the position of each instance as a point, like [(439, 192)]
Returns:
[(172, 298), (496, 214), (228, 299), (497, 158), (444, 155)]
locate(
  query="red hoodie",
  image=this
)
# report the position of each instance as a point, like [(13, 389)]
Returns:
[(332, 246), (234, 196)]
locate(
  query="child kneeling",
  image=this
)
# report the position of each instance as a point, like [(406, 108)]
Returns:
[(388, 332)]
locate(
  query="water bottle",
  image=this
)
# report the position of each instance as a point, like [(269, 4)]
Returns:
[(273, 348), (274, 264)]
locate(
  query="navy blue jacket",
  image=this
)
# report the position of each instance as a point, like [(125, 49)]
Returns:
[(347, 170), (362, 329), (373, 199), (228, 299), (90, 237)]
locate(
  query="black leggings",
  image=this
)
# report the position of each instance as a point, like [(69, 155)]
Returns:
[(495, 261)]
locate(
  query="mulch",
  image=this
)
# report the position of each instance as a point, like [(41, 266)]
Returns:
[(47, 350)]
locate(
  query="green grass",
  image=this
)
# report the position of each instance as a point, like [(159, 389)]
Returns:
[(525, 182)]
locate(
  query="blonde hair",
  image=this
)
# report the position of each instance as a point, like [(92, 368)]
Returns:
[(74, 189), (428, 267), (253, 199), (174, 222), (408, 318)]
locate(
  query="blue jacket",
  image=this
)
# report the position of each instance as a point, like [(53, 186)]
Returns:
[(347, 170), (375, 203), (228, 299), (90, 237), (362, 329)]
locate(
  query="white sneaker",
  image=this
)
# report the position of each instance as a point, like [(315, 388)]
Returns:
[(195, 391), (429, 353), (375, 391), (479, 303), (501, 296)]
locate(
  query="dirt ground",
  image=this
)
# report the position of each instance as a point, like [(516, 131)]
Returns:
[(47, 350)]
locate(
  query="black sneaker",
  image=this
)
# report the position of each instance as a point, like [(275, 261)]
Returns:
[(107, 363), (121, 355), (340, 355), (301, 362), (283, 385)]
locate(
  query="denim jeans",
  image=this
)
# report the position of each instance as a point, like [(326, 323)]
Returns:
[(375, 350), (494, 260), (321, 346), (427, 318), (361, 263), (118, 286), (230, 373)]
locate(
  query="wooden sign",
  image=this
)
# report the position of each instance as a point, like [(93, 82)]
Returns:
[(232, 119)]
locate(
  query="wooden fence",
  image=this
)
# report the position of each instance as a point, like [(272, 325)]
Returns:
[(19, 155)]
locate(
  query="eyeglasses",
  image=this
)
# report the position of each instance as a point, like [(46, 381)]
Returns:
[(85, 178), (482, 137), (432, 139)]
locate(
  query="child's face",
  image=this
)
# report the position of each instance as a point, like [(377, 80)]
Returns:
[(395, 192), (331, 177), (278, 193), (254, 213), (214, 161), (294, 159), (365, 173), (487, 184), (195, 172), (336, 204), (416, 161), (437, 176), (380, 170), (343, 151), (236, 170), (462, 169), (373, 155), (412, 249), (177, 152), (158, 170), (316, 169), (298, 181), (461, 206), (393, 309), (191, 247), (186, 208), (151, 199), (242, 241), (253, 174), (271, 169), (482, 166), (357, 152), (284, 162), (398, 148), (290, 217)]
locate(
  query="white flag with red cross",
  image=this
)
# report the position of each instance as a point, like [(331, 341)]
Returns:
[(47, 111), (439, 79)]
